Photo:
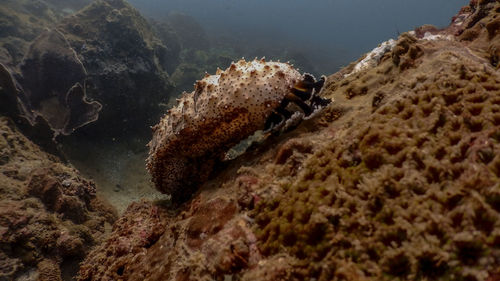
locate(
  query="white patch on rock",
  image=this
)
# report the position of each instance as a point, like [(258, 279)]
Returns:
[(433, 37), (373, 58)]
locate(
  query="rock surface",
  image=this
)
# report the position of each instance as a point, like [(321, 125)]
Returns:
[(190, 33), (50, 216), (53, 86), (121, 54), (107, 48), (21, 21), (169, 59), (400, 178)]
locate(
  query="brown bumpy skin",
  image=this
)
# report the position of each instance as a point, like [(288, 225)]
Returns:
[(223, 109)]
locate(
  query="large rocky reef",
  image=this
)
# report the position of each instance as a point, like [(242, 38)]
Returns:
[(191, 34), (51, 85), (58, 68), (125, 61), (399, 179), (21, 21), (129, 64), (50, 216)]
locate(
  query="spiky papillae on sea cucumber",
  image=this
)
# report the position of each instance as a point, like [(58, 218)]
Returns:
[(223, 109)]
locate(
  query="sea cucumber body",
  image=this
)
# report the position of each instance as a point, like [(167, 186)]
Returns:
[(223, 109)]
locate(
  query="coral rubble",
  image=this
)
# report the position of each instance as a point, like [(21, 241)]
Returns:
[(50, 216)]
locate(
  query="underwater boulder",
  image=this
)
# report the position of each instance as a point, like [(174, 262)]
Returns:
[(53, 81), (185, 74), (30, 47), (398, 180), (191, 34), (49, 87), (21, 21), (120, 52), (170, 55), (8, 92), (111, 51), (50, 216)]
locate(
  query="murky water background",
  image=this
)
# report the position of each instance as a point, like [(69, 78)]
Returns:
[(330, 33)]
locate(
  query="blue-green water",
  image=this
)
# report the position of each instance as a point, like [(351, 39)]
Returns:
[(330, 33)]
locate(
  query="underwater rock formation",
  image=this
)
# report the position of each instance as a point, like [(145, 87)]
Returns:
[(49, 87), (170, 58), (223, 110), (16, 32), (185, 74), (107, 51), (399, 179), (67, 6), (124, 62), (139, 228), (190, 33), (408, 186), (8, 92), (21, 21), (50, 216), (53, 85)]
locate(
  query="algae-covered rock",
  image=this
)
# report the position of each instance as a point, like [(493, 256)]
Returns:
[(20, 23), (170, 57), (53, 85), (50, 86), (403, 189), (123, 65), (66, 7), (190, 33), (120, 53), (50, 215)]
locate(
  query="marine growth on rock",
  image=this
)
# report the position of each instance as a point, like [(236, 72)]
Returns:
[(224, 109), (400, 180)]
